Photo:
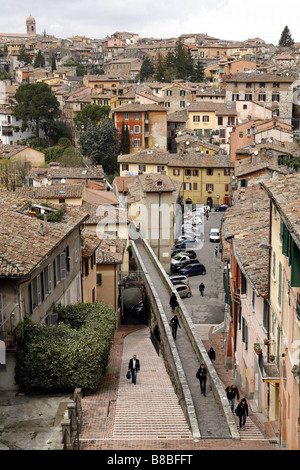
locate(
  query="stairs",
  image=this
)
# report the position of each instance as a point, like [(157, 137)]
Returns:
[(149, 409)]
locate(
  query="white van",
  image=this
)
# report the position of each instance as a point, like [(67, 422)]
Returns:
[(214, 235), (179, 279)]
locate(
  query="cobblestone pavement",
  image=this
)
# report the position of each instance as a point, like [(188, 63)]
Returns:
[(147, 416)]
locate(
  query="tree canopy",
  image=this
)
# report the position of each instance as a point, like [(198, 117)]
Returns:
[(147, 69), (286, 39), (177, 65), (36, 107), (91, 114), (39, 60), (100, 143)]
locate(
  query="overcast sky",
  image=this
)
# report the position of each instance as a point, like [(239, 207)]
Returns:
[(224, 19)]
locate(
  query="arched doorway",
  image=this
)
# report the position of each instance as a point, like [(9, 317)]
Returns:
[(209, 202)]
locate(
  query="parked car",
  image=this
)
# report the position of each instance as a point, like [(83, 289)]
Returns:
[(214, 235), (185, 253), (193, 270), (177, 251), (221, 208), (179, 279), (186, 236), (183, 290), (178, 259), (186, 243), (185, 263)]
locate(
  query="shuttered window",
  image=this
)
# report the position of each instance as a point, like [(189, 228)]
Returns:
[(295, 265), (279, 284)]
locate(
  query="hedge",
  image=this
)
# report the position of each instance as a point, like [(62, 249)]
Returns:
[(72, 353)]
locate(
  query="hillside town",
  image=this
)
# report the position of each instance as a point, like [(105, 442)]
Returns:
[(171, 149)]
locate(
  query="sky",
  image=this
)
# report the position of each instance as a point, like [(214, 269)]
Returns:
[(224, 19)]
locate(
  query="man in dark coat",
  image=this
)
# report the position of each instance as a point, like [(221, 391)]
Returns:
[(242, 412), (134, 367)]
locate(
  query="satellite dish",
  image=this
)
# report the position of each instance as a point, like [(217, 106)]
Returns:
[(179, 133), (188, 104), (187, 142), (63, 180), (256, 152)]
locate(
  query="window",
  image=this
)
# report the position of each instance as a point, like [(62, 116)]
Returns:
[(220, 121), (205, 118), (248, 96), (160, 168), (187, 172), (276, 85), (187, 186), (36, 292), (226, 188), (245, 332), (276, 112), (243, 284), (262, 85), (274, 265), (126, 116), (167, 104), (125, 167), (279, 284), (222, 133), (196, 118), (244, 183), (137, 116), (266, 315), (248, 85), (47, 279), (176, 172), (182, 92), (195, 186), (275, 96), (99, 279), (209, 171), (261, 97), (226, 171), (182, 104), (169, 93), (137, 129), (230, 120), (136, 143), (142, 167), (235, 96), (209, 187), (195, 172)]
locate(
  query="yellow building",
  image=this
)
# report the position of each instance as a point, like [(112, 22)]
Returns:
[(206, 179), (201, 118)]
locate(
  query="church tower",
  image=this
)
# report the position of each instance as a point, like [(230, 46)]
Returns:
[(31, 26)]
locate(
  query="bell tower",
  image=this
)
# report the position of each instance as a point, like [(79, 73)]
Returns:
[(31, 26)]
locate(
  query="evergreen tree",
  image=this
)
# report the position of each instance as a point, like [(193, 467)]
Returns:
[(39, 60), (286, 39), (160, 69), (24, 56), (147, 69), (53, 63), (198, 73)]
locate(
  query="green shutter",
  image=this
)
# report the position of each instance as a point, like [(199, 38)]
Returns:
[(280, 284), (295, 266), (285, 240), (199, 132)]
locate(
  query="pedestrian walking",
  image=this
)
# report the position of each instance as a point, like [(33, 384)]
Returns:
[(232, 393), (220, 248), (201, 376), (175, 324), (242, 412), (212, 354), (173, 302), (207, 215), (216, 251), (134, 367), (201, 289)]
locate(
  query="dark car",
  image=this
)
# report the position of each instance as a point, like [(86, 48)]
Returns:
[(193, 270), (176, 251), (186, 243), (185, 263), (221, 208)]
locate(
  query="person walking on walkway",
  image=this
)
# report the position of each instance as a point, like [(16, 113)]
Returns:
[(173, 302), (232, 393), (201, 289), (201, 376), (134, 367), (242, 412), (216, 251), (175, 324), (212, 354)]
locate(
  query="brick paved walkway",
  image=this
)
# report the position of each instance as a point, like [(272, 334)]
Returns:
[(103, 428)]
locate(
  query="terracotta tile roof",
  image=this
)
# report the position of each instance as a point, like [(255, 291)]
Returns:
[(246, 226), (259, 77), (52, 192), (138, 108), (95, 196), (90, 243), (23, 246), (192, 158), (122, 183), (110, 251), (155, 182), (110, 214), (285, 193)]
